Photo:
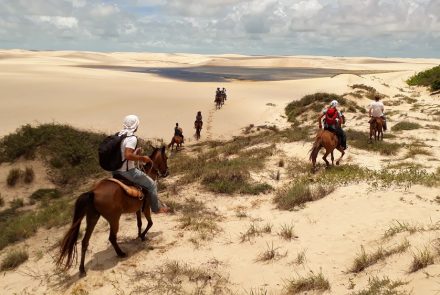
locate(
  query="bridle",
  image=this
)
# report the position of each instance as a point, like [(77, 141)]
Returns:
[(152, 168)]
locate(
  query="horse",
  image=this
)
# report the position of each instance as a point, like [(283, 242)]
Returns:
[(376, 129), (198, 126), (177, 140), (329, 141), (109, 200), (218, 101)]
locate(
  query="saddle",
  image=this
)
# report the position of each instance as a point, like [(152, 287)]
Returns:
[(128, 187)]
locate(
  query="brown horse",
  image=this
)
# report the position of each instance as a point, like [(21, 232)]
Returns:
[(376, 129), (198, 126), (176, 140), (329, 141), (109, 200)]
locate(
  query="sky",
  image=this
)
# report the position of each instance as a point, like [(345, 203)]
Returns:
[(386, 28)]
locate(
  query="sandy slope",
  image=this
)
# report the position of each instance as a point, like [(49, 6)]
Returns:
[(42, 87)]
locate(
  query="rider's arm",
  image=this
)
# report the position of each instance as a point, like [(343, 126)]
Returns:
[(130, 154)]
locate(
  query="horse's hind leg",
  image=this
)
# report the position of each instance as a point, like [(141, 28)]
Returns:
[(325, 158), (114, 228), (139, 222), (92, 218), (332, 157), (342, 154), (147, 213)]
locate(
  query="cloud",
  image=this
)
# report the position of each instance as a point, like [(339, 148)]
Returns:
[(325, 27)]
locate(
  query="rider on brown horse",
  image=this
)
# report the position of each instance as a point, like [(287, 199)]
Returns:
[(178, 131), (130, 154), (377, 111), (199, 119), (333, 122)]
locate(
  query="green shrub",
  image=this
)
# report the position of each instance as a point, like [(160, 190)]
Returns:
[(71, 154), (28, 175), (14, 259), (429, 78), (13, 176), (405, 125), (45, 193), (316, 102)]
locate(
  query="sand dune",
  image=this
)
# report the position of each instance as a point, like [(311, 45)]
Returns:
[(40, 87)]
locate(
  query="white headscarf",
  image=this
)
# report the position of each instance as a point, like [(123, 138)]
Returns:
[(334, 103), (131, 123)]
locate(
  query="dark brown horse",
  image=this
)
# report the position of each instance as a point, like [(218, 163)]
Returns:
[(176, 140), (109, 200), (198, 126), (376, 129), (329, 141)]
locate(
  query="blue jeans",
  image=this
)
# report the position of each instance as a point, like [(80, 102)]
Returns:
[(138, 177)]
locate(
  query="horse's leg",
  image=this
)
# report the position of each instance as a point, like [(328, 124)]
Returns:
[(342, 154), (325, 157), (332, 157), (114, 228), (147, 213), (91, 218), (139, 222)]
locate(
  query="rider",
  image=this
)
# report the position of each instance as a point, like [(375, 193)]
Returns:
[(224, 92), (377, 111), (199, 118), (333, 122), (130, 154), (178, 131)]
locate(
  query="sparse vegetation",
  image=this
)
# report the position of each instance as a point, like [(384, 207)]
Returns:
[(416, 150), (300, 258), (399, 227), (17, 203), (300, 193), (406, 125), (255, 230), (181, 278), (13, 176), (316, 102), (360, 140), (312, 282), (383, 286), (364, 260), (13, 259), (28, 175), (270, 254), (198, 218), (429, 78), (421, 260), (287, 232)]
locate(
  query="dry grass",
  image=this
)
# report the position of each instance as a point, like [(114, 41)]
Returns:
[(300, 258), (300, 193), (421, 259), (287, 232), (405, 125), (13, 259), (254, 230), (416, 150), (28, 175), (383, 286), (311, 282), (270, 254), (181, 278), (364, 260), (13, 176)]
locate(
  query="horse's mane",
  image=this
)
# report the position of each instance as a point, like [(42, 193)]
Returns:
[(155, 151)]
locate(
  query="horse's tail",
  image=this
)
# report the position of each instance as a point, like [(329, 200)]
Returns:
[(315, 148), (68, 244)]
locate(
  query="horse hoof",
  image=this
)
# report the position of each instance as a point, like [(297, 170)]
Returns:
[(122, 255), (82, 273), (337, 163)]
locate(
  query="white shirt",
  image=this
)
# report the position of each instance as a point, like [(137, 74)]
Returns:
[(128, 142), (376, 108)]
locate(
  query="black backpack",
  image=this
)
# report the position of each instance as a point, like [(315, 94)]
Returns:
[(109, 151)]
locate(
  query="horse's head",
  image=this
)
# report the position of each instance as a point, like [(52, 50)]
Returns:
[(160, 162)]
